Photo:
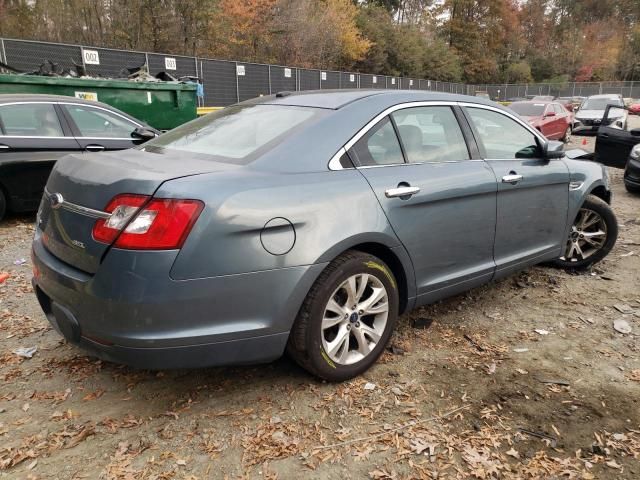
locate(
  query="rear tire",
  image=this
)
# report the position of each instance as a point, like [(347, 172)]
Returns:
[(332, 339), (593, 234), (567, 135), (3, 204)]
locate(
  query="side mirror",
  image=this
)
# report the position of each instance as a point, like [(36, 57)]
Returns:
[(553, 149), (635, 132), (143, 134)]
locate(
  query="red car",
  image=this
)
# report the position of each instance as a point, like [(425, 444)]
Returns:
[(634, 108), (551, 118)]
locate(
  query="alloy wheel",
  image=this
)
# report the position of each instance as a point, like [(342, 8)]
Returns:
[(355, 319), (588, 235)]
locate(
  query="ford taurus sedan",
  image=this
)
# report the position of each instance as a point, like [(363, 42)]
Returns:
[(305, 222)]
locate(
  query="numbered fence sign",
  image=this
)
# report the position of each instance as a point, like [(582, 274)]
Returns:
[(352, 77), (411, 83), (323, 75), (287, 73), (91, 57), (170, 63), (393, 81), (375, 79), (240, 70)]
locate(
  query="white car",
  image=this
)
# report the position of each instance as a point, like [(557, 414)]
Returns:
[(589, 116)]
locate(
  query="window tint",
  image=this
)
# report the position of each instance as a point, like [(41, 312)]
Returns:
[(501, 137), (236, 134), (559, 109), (430, 134), (379, 146), (95, 122), (30, 120)]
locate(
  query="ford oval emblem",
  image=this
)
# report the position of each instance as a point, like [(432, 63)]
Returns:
[(56, 200)]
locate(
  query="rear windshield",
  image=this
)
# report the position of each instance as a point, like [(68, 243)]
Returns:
[(236, 134), (528, 109), (600, 103)]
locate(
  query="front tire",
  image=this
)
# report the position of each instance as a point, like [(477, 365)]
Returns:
[(3, 204), (347, 318), (567, 135), (631, 188), (593, 234)]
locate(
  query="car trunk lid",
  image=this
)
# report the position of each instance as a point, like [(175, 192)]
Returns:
[(81, 186)]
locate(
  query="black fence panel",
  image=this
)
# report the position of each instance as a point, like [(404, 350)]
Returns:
[(112, 63), (173, 65), (349, 80), (309, 79), (366, 80), (253, 80), (283, 79), (330, 80), (393, 83), (219, 82), (28, 56)]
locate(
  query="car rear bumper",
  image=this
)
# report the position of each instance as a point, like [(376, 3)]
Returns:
[(632, 173), (132, 312)]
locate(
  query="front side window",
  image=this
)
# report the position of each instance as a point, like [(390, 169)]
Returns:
[(430, 134), (98, 123), (379, 146), (236, 134), (502, 137), (30, 120)]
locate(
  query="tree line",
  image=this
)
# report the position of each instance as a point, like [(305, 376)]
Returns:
[(472, 41)]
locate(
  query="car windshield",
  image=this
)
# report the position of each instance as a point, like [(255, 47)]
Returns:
[(600, 103), (527, 109), (236, 134)]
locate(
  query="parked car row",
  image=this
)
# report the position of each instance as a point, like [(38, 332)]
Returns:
[(37, 130)]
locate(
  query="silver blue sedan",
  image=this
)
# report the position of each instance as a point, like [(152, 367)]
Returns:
[(305, 223)]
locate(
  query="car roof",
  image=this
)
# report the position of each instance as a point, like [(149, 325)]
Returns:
[(537, 102), (605, 95), (337, 99), (36, 97)]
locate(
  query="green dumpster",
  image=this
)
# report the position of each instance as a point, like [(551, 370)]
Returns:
[(163, 105)]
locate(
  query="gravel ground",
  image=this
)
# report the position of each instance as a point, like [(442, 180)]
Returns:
[(522, 378)]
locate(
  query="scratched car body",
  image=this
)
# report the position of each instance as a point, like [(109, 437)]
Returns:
[(304, 222)]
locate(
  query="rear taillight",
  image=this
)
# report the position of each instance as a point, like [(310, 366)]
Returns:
[(149, 224)]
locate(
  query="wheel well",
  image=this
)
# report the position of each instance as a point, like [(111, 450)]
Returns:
[(602, 193), (385, 254)]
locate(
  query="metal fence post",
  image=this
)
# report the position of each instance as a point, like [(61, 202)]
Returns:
[(3, 52), (600, 90), (237, 84), (146, 60), (269, 70), (631, 90)]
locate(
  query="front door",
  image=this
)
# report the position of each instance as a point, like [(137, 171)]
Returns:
[(533, 193), (32, 138), (614, 144), (439, 201), (98, 129)]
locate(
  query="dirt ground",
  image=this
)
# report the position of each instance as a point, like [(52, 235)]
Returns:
[(524, 378)]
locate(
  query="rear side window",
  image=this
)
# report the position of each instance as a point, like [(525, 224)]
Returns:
[(379, 146), (502, 137), (559, 109), (30, 120), (430, 134), (96, 122), (236, 134)]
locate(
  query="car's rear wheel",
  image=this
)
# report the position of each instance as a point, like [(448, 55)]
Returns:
[(347, 318), (592, 236), (631, 188), (567, 135), (3, 204)]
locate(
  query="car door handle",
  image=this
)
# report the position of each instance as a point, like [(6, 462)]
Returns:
[(512, 178), (401, 192), (94, 148), (4, 147)]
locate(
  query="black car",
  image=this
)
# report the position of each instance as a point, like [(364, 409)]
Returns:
[(619, 148), (36, 130)]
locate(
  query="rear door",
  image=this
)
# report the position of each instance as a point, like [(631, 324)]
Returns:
[(33, 136), (97, 129), (533, 193), (613, 145), (441, 202)]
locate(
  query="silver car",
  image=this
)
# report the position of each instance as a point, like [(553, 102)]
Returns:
[(305, 222), (590, 114)]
